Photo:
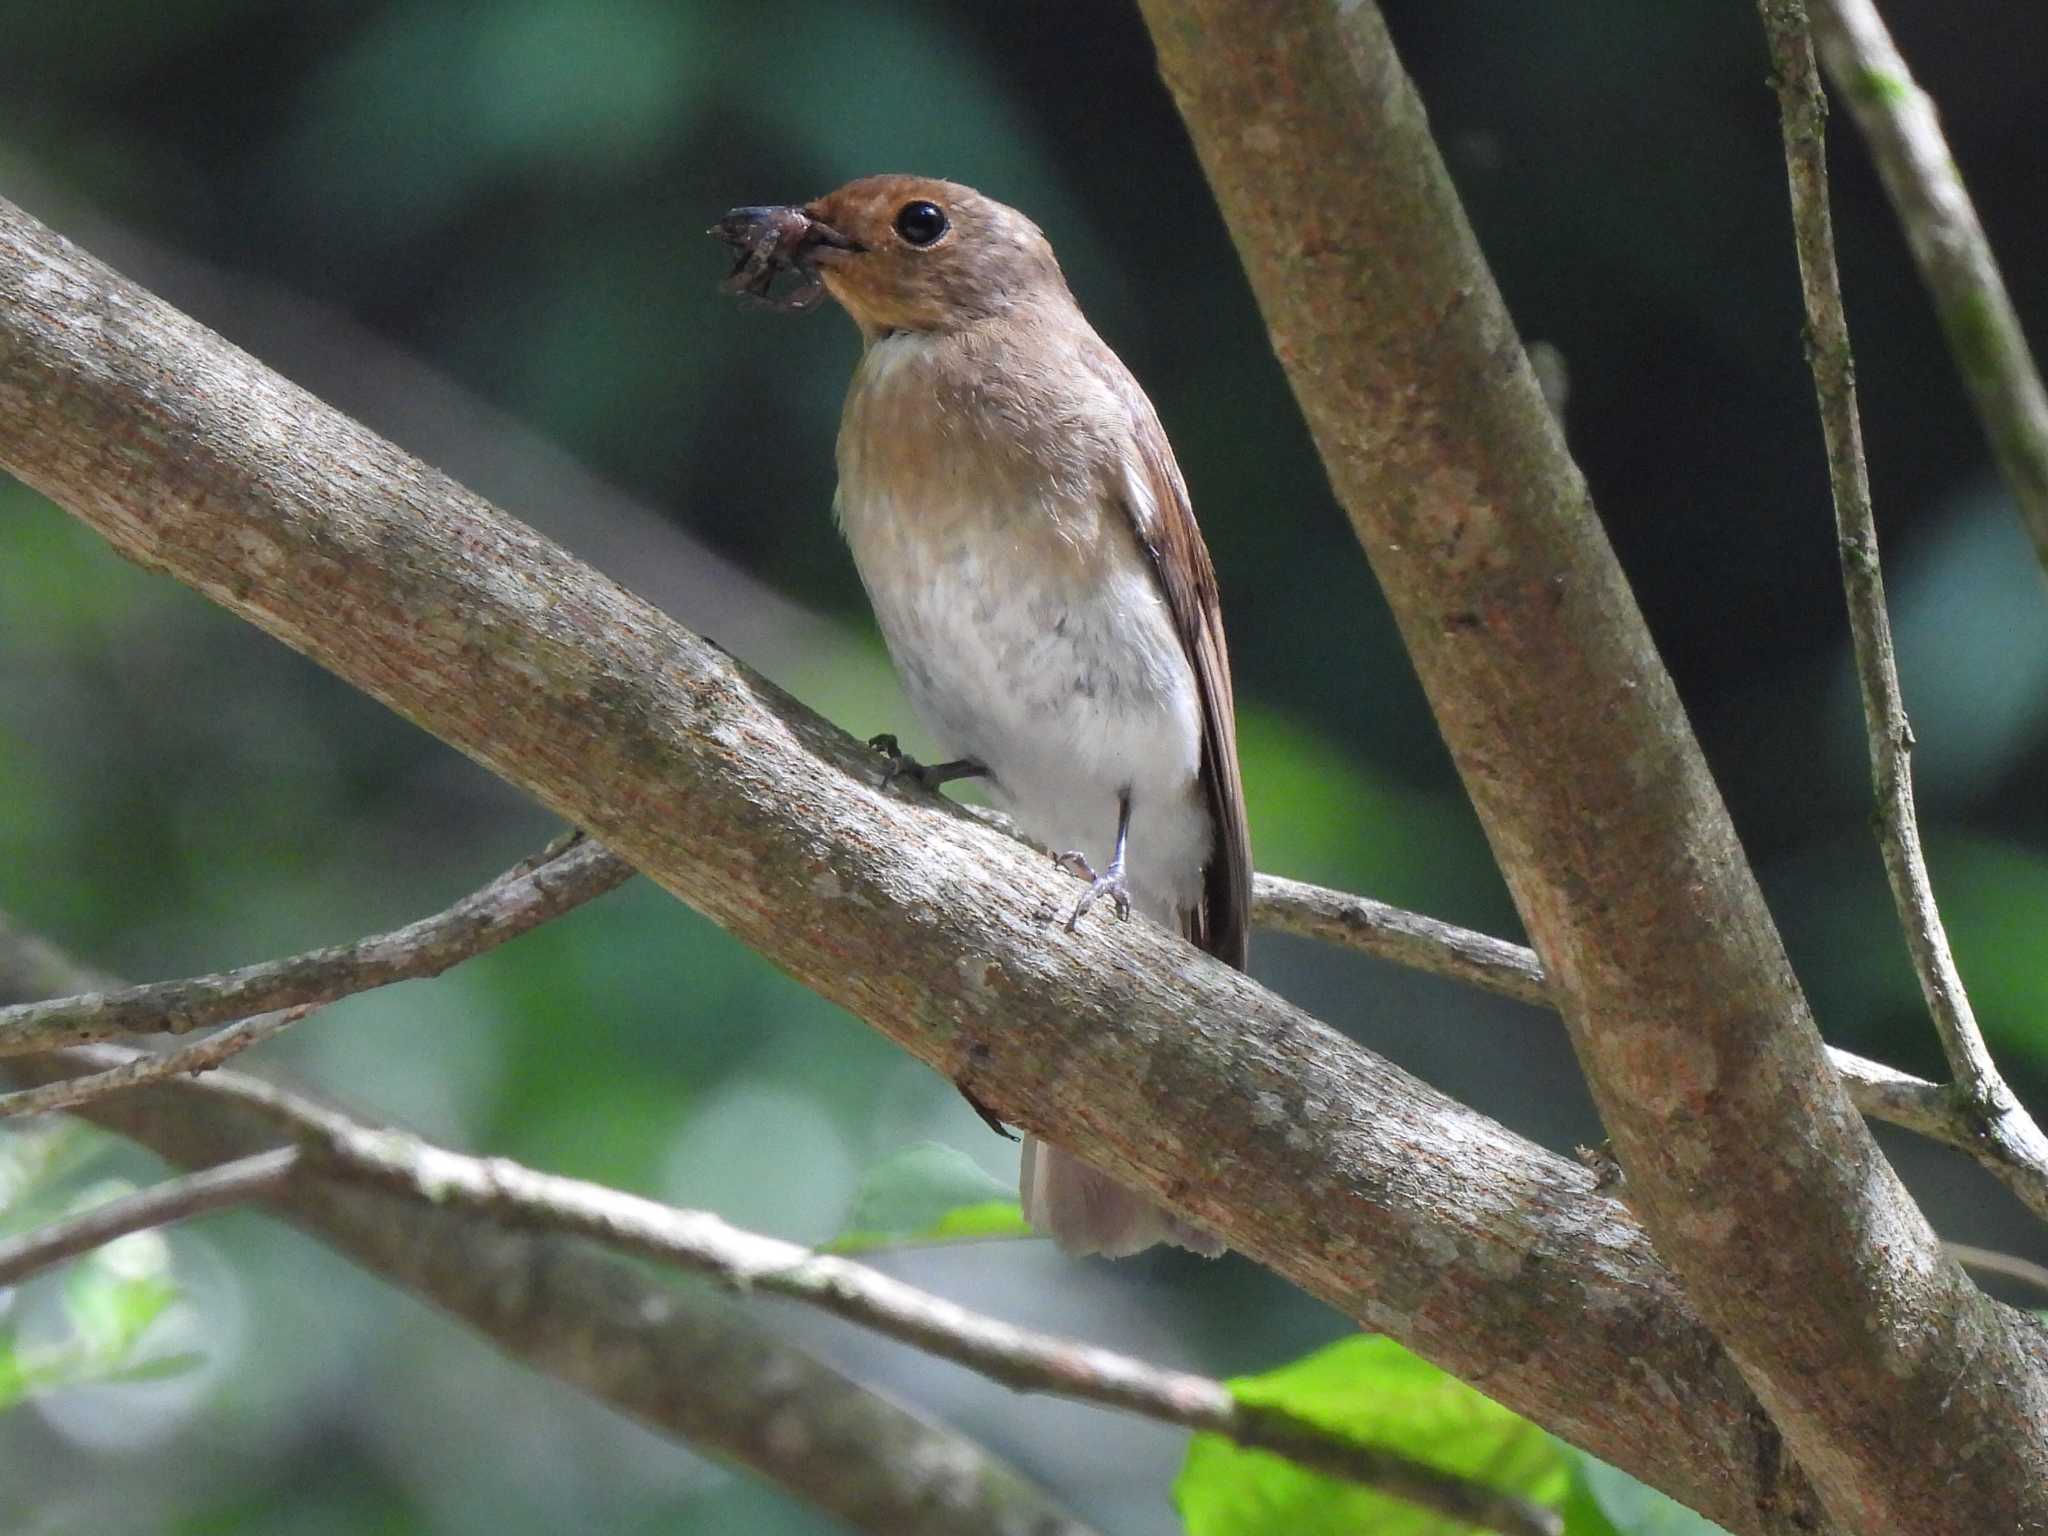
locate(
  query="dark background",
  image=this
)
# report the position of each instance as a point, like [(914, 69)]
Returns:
[(479, 228)]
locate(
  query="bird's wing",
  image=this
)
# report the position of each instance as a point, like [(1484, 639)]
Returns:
[(1156, 499)]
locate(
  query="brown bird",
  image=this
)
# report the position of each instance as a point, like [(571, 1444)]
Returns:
[(1025, 537)]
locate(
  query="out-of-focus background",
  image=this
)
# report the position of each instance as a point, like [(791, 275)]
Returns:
[(479, 227)]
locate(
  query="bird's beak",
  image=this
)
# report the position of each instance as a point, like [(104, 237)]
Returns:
[(771, 241)]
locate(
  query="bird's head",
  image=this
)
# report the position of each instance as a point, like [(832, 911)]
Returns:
[(899, 253)]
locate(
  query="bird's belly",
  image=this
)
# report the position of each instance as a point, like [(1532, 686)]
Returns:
[(1070, 683)]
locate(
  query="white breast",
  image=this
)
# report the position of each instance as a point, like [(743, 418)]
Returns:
[(1064, 675)]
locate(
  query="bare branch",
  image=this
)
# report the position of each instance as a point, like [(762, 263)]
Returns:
[(558, 880), (1926, 190), (702, 1243), (1850, 1322), (1403, 938), (588, 870), (1020, 1358), (1513, 970), (142, 1067), (2000, 1122), (1399, 1206), (668, 1357), (1991, 1262), (255, 1177)]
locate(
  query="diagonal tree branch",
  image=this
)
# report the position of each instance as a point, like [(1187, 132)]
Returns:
[(558, 880), (1020, 1358), (1982, 1092), (255, 1177), (523, 1199), (1399, 1206), (1443, 949), (1948, 243), (667, 1357), (565, 876), (140, 1069), (1853, 1326)]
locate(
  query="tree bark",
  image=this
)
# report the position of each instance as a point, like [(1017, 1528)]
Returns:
[(1915, 1403)]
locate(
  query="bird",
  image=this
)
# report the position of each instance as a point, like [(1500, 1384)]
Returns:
[(1027, 544)]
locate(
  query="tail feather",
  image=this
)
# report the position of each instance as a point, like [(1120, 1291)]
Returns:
[(1088, 1212)]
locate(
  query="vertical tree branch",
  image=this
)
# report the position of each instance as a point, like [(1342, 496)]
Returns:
[(1803, 109), (1948, 243), (1756, 1179)]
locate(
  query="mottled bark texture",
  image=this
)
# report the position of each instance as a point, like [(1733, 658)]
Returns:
[(1915, 1404), (1397, 1205)]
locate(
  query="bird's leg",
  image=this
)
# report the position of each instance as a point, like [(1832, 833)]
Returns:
[(1110, 882), (989, 1117), (924, 775)]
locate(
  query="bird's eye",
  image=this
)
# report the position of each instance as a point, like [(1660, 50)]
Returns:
[(920, 223)]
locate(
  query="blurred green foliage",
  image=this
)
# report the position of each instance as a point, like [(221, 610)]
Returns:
[(928, 1193), (1371, 1390), (479, 227)]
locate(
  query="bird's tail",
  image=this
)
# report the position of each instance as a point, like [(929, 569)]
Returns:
[(1089, 1212)]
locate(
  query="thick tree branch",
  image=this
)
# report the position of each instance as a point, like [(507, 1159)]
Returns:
[(255, 1177), (1948, 243), (1745, 1158), (558, 880), (1981, 1092), (668, 1357), (566, 876), (1399, 1206)]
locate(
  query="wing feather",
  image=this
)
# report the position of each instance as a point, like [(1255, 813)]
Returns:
[(1156, 498)]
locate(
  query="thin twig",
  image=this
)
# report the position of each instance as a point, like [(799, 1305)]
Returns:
[(140, 1067), (518, 1197), (1512, 970), (1019, 1358), (1955, 260), (174, 1200), (1403, 938), (1804, 113), (564, 876), (1992, 1262), (1803, 110)]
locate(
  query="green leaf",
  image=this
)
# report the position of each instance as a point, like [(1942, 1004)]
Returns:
[(1583, 1515), (1375, 1392), (928, 1193), (1627, 1507)]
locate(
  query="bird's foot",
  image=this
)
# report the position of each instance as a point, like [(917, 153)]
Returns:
[(1109, 883), (927, 776)]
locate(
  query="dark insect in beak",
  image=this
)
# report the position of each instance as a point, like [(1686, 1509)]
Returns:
[(770, 242)]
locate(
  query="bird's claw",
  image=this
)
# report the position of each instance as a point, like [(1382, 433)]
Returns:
[(901, 764), (926, 776), (1109, 883)]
